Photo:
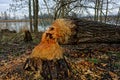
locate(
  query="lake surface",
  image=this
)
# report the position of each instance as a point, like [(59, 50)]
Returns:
[(18, 26)]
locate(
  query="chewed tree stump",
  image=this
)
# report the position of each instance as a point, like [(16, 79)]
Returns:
[(52, 65), (27, 36), (55, 69), (47, 69)]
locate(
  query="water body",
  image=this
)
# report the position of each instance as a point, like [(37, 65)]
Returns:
[(18, 26)]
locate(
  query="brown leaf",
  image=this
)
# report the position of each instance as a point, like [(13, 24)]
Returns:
[(113, 75)]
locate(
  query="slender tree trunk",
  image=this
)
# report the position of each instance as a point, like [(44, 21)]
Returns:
[(101, 7), (36, 17), (30, 16), (106, 12), (95, 15), (63, 8), (118, 17), (67, 8), (35, 14), (97, 10)]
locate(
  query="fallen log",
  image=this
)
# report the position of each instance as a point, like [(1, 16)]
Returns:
[(86, 31)]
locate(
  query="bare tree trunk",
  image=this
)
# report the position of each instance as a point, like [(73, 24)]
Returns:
[(36, 17), (106, 11), (95, 15), (30, 16), (97, 9), (118, 17), (35, 13), (63, 9), (101, 10)]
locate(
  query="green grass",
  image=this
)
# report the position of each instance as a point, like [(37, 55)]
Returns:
[(93, 60)]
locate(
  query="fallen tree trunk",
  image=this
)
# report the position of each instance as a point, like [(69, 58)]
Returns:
[(86, 31)]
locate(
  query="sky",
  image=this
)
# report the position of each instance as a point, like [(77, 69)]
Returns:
[(4, 5)]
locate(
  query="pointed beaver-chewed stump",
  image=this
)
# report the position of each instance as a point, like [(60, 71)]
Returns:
[(55, 69), (49, 53), (27, 37)]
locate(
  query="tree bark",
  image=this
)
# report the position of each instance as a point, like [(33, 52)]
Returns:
[(95, 15), (86, 31), (30, 16), (101, 7), (27, 37), (35, 13), (106, 12), (118, 17), (57, 70), (63, 9)]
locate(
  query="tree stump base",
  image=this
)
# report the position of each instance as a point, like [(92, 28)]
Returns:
[(55, 69), (27, 37), (48, 69)]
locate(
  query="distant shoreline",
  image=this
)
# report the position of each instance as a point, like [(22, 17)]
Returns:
[(21, 20), (14, 20)]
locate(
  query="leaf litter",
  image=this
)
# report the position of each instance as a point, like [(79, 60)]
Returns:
[(91, 62)]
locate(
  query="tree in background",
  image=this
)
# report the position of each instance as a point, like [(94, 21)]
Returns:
[(30, 16), (21, 4), (64, 8), (118, 17), (97, 10), (101, 12), (35, 14), (106, 11)]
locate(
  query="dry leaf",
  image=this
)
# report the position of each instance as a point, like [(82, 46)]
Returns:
[(113, 75)]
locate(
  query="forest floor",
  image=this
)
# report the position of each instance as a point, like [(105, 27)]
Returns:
[(91, 61)]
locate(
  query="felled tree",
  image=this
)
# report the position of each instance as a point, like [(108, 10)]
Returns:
[(86, 31)]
